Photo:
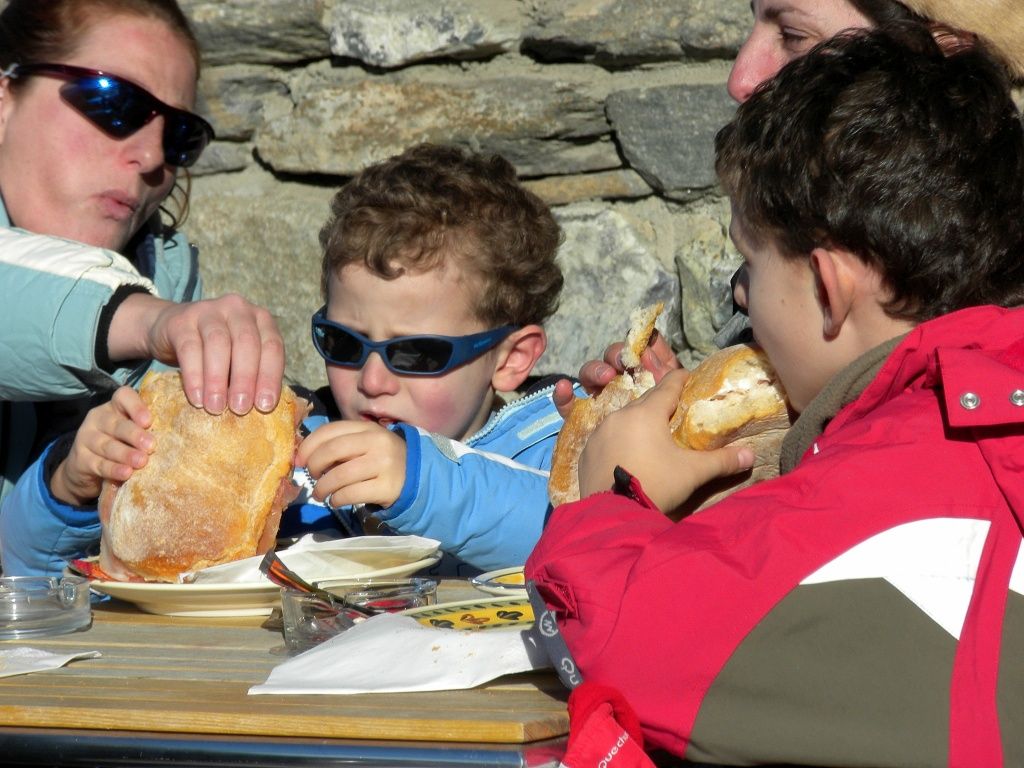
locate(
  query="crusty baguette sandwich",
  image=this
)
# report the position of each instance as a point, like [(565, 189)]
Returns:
[(212, 491), (733, 396)]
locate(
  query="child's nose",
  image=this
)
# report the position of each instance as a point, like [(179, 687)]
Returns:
[(376, 378)]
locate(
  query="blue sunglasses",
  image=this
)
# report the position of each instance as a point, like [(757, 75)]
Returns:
[(405, 355), (120, 108)]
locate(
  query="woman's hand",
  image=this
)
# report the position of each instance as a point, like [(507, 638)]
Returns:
[(110, 445), (637, 438), (229, 350), (354, 462), (658, 358)]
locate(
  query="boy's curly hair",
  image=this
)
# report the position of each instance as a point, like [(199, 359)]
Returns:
[(878, 143), (432, 203)]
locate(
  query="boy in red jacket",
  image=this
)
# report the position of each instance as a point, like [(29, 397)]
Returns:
[(853, 610)]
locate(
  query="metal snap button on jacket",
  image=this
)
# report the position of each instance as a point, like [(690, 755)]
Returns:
[(970, 401)]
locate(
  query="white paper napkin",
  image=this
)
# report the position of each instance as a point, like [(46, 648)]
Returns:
[(21, 661), (390, 653), (317, 560)]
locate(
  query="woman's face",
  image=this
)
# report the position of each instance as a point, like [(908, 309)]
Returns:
[(785, 30), (60, 174)]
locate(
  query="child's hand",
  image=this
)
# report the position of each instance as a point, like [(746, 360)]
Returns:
[(354, 462), (638, 439), (111, 444)]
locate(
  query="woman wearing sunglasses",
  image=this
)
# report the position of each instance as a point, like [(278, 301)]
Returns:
[(785, 30), (97, 131)]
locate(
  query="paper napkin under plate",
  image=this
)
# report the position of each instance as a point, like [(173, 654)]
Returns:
[(332, 559)]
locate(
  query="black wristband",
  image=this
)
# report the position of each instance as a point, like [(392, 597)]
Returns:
[(103, 361)]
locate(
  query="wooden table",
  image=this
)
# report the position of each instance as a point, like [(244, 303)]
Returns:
[(173, 690)]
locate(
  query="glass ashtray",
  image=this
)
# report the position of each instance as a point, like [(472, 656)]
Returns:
[(31, 606), (385, 596), (310, 619)]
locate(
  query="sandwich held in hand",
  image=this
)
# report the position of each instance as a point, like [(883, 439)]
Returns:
[(212, 491), (732, 397)]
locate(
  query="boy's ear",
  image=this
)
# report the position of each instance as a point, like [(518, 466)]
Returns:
[(837, 275), (517, 355)]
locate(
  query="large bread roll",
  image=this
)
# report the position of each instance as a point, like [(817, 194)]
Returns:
[(212, 491), (733, 396)]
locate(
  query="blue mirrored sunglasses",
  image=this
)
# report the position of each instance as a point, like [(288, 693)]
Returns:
[(120, 108), (405, 355)]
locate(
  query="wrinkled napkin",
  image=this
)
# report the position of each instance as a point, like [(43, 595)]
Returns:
[(21, 661), (390, 653), (317, 560)]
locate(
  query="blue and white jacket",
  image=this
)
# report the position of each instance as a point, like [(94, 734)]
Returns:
[(484, 499)]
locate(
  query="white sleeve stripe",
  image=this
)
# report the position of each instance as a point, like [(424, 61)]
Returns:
[(457, 450), (1017, 577), (933, 562), (68, 259)]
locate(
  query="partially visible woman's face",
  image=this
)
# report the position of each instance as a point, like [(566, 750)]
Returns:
[(785, 30), (59, 173)]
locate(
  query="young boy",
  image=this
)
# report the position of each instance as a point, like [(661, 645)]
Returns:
[(438, 271), (852, 610)]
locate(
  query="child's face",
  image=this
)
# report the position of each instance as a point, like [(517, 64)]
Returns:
[(455, 404), (780, 296)]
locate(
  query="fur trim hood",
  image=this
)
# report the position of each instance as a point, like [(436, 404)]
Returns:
[(999, 22)]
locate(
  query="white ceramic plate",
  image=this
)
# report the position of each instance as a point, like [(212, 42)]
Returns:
[(212, 600), (485, 613), (255, 599), (506, 581)]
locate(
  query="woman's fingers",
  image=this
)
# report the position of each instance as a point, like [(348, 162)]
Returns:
[(563, 397), (658, 357), (230, 352)]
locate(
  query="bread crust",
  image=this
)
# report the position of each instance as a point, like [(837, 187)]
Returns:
[(733, 397), (586, 414), (641, 328), (211, 492)]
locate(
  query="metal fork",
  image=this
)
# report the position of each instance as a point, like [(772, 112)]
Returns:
[(273, 567)]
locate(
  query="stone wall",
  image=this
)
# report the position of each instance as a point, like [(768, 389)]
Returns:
[(607, 108)]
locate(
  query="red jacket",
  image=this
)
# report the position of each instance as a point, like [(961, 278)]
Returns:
[(850, 612)]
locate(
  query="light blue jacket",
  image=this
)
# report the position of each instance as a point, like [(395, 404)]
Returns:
[(55, 291), (39, 534), (484, 499)]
